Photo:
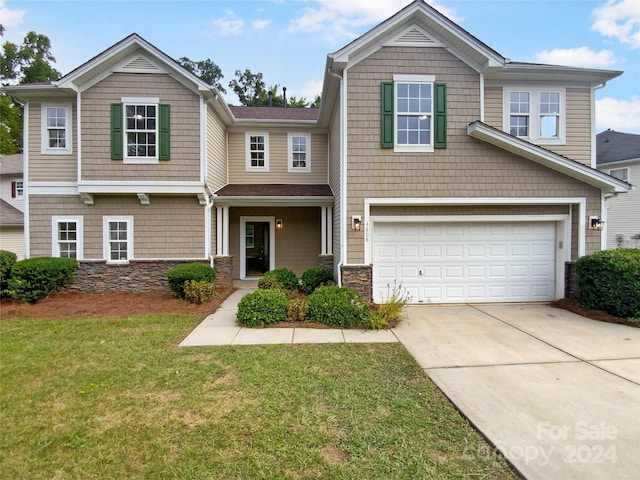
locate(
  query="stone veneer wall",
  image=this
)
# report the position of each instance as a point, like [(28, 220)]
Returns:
[(571, 288), (325, 261), (137, 276), (224, 270), (358, 278)]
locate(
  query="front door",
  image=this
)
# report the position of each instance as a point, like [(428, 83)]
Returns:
[(256, 246)]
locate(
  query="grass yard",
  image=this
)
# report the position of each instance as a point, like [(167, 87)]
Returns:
[(107, 398)]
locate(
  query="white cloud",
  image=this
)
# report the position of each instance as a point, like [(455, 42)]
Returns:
[(339, 19), (229, 25), (260, 24), (620, 115), (619, 19), (10, 18), (576, 57), (310, 89)]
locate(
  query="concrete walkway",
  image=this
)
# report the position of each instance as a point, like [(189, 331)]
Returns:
[(556, 393)]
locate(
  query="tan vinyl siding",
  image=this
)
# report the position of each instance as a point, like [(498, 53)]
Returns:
[(216, 151), (50, 168), (184, 164), (493, 107), (334, 178), (12, 240), (278, 159), (466, 168), (297, 244), (170, 227), (578, 145)]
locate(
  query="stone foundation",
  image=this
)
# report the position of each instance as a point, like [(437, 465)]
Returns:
[(571, 288), (137, 276), (224, 270), (358, 278), (325, 261)]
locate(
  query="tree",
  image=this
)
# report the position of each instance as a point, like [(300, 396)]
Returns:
[(10, 126), (206, 70), (249, 87)]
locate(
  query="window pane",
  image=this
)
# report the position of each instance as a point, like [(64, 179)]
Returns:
[(519, 126), (549, 126), (519, 102)]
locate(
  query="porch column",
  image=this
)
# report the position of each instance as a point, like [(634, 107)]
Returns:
[(219, 229), (222, 231), (326, 222), (329, 231), (323, 230)]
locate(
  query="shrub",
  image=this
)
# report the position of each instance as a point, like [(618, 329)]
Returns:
[(391, 308), (337, 306), (262, 307), (610, 281), (269, 282), (297, 309), (199, 292), (7, 259), (315, 277), (36, 278), (286, 277), (177, 276)]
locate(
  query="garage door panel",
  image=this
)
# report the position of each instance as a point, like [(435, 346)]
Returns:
[(472, 262)]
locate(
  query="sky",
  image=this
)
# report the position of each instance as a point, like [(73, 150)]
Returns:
[(288, 40)]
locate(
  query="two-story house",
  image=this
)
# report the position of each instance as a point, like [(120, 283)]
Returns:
[(12, 204), (433, 161), (618, 154)]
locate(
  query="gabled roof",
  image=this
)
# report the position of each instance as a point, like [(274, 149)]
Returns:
[(11, 164), (547, 158), (612, 146), (10, 216)]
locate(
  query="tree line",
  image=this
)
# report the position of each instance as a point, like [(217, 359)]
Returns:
[(32, 62)]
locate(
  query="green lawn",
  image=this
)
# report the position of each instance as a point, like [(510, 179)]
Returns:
[(117, 399)]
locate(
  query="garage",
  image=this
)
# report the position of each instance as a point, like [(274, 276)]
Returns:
[(465, 262)]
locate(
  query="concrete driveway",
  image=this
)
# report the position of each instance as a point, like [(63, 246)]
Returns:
[(556, 393)]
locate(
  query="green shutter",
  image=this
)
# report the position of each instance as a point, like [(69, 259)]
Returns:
[(386, 122), (440, 116), (164, 137), (116, 131)]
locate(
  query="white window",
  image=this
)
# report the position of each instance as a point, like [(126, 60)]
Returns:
[(536, 114), (413, 112), (299, 152), (17, 188), (56, 129), (118, 238), (140, 129), (257, 148), (67, 237), (620, 173)]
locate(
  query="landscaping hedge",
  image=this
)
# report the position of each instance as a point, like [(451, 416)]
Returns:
[(314, 278), (262, 307), (285, 277), (36, 278), (7, 259), (178, 276), (337, 306), (610, 281)]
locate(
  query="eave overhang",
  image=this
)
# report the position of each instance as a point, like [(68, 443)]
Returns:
[(529, 72), (547, 158)]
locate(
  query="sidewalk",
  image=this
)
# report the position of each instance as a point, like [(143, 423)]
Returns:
[(220, 328)]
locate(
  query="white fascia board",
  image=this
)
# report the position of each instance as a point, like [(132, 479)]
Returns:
[(547, 158), (272, 201), (53, 188), (138, 187)]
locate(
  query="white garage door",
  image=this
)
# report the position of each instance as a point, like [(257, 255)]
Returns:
[(465, 262)]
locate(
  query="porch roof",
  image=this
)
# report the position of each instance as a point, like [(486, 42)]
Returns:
[(274, 192)]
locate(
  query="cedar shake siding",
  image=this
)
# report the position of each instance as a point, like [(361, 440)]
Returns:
[(47, 167), (278, 158), (184, 163), (466, 168), (171, 227), (297, 244)]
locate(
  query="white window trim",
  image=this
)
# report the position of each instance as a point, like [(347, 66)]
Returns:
[(412, 79), (147, 101), (55, 246), (625, 169), (21, 195), (45, 149), (307, 167), (534, 112), (247, 139), (105, 237)]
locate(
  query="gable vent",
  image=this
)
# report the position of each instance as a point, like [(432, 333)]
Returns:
[(415, 37), (140, 64)]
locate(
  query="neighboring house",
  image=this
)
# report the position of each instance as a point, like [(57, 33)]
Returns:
[(433, 161), (12, 204), (618, 154)]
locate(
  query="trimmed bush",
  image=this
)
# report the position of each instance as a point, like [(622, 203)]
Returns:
[(199, 292), (262, 307), (286, 277), (7, 259), (269, 282), (36, 278), (610, 281), (315, 277), (337, 306), (297, 309), (177, 276)]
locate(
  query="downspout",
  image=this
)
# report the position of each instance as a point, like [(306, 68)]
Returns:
[(343, 171), (25, 177), (207, 212), (593, 123)]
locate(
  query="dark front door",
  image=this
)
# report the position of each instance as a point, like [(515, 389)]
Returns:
[(257, 248)]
